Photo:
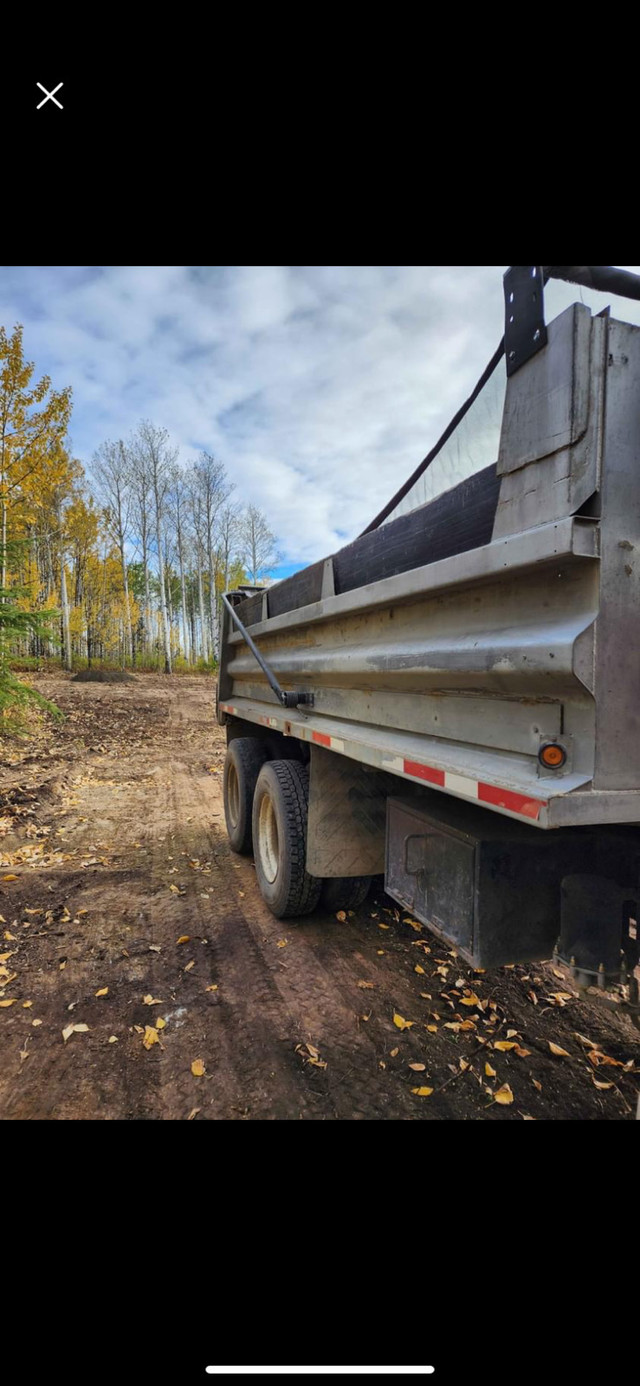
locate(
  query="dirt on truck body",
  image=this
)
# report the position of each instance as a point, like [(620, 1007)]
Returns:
[(143, 976)]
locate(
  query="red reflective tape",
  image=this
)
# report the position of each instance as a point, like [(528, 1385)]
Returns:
[(504, 798), (321, 738), (424, 772)]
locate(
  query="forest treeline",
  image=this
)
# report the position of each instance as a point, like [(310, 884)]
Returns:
[(122, 561)]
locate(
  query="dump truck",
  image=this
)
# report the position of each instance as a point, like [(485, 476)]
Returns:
[(451, 700)]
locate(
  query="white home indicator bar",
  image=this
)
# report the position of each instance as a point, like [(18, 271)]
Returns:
[(319, 1371)]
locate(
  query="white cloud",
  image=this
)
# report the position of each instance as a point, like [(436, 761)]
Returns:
[(319, 387)]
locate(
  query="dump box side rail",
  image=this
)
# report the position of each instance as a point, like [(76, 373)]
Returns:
[(454, 669)]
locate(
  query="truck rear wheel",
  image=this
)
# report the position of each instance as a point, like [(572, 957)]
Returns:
[(280, 810), (344, 892), (244, 760)]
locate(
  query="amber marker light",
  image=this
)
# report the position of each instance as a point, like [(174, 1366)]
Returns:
[(552, 755)]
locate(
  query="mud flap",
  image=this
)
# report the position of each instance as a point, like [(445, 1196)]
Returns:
[(347, 816)]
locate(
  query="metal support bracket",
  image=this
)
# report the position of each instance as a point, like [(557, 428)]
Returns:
[(524, 331)]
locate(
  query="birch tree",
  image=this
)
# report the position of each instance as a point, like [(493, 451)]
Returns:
[(112, 474), (196, 512), (141, 496), (257, 543), (178, 503), (228, 540), (155, 447), (211, 480)]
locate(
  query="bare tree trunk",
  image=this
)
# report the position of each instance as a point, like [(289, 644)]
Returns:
[(204, 647), (183, 597), (4, 542), (212, 600), (163, 594), (66, 629)]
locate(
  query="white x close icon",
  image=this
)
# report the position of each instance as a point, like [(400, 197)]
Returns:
[(50, 95)]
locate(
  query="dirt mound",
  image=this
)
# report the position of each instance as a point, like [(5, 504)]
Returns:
[(102, 676)]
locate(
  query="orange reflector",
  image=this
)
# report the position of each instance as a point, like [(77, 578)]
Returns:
[(552, 755)]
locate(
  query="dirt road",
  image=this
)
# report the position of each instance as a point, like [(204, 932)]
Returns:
[(123, 907)]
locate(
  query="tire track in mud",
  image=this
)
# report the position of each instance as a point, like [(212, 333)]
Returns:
[(269, 1005), (245, 1029)]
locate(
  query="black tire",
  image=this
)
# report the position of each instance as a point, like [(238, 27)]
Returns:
[(280, 810), (243, 762), (344, 892)]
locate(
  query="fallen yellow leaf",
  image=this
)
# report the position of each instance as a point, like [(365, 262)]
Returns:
[(150, 1000), (394, 1052), (401, 1023), (66, 1034), (212, 988), (422, 1092), (282, 943), (9, 878), (150, 1036), (597, 1057), (505, 1045), (522, 1053), (470, 1000), (504, 1095), (184, 938), (419, 969), (432, 1028), (190, 965), (193, 1113), (418, 1068), (160, 1023), (26, 1005), (113, 1039), (197, 1068), (36, 1022), (9, 1003), (490, 1072), (103, 991), (555, 1049)]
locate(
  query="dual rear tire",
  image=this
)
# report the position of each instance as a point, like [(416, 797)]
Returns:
[(266, 804)]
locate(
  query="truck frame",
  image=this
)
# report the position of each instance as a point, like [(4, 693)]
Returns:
[(452, 699)]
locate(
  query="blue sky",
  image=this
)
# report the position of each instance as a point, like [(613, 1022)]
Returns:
[(320, 388)]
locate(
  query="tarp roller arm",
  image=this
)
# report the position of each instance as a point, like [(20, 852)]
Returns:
[(286, 699)]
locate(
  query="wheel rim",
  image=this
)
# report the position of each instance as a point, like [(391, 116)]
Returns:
[(268, 845), (233, 794)]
